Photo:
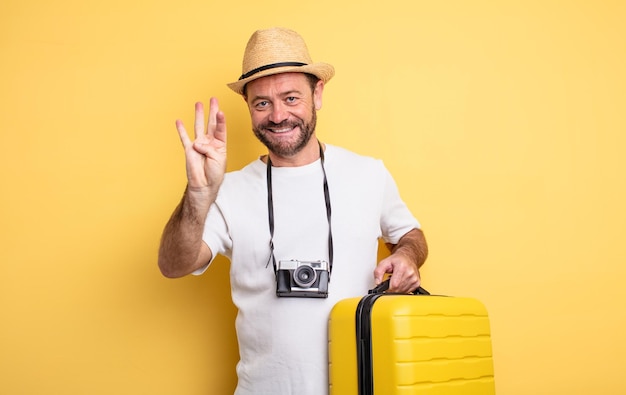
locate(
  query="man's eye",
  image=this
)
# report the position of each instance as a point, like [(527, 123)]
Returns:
[(262, 104), (292, 99)]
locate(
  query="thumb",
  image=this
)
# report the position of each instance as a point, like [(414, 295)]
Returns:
[(380, 271), (201, 148)]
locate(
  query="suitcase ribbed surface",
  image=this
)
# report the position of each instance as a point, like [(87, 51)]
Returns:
[(427, 345)]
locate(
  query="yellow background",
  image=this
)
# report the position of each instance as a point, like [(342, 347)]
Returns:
[(503, 122)]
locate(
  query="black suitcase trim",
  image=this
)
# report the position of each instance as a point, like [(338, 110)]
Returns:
[(364, 344), (365, 367)]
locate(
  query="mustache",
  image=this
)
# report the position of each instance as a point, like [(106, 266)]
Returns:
[(280, 125)]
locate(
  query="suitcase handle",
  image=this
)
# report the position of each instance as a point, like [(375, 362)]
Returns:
[(384, 286)]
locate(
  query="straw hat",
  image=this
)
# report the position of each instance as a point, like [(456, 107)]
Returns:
[(275, 51)]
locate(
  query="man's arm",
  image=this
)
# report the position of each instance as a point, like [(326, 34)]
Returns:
[(404, 262), (182, 250)]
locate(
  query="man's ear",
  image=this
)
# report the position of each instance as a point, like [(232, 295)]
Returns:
[(317, 94)]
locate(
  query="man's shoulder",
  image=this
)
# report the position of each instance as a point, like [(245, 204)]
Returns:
[(252, 169), (350, 159), (247, 176)]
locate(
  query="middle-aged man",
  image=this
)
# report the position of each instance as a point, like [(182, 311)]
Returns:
[(300, 225)]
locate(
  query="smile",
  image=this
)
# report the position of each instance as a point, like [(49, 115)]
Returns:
[(282, 130)]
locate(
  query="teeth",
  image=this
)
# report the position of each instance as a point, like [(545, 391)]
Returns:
[(283, 130)]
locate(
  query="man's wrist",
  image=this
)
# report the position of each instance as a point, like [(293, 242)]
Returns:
[(196, 203)]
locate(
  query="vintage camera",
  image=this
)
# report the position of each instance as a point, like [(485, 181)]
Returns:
[(305, 279)]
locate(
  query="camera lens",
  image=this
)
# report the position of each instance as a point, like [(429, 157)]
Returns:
[(304, 276)]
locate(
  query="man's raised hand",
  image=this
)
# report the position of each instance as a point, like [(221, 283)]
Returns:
[(206, 155)]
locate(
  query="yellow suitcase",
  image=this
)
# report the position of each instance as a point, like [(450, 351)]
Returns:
[(390, 344)]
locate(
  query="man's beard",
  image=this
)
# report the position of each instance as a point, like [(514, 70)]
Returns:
[(282, 148)]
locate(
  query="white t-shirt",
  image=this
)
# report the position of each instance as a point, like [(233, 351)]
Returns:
[(283, 342)]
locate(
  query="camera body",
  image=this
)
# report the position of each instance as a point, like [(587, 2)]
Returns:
[(305, 279)]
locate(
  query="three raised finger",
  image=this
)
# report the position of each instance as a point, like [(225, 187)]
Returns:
[(198, 127), (216, 126), (182, 132)]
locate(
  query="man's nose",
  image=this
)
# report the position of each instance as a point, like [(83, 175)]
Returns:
[(279, 113)]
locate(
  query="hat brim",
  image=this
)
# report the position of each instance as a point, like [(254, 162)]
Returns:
[(323, 71)]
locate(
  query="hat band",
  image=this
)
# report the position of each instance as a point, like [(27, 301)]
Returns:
[(270, 66)]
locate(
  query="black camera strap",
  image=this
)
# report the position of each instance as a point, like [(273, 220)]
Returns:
[(270, 210)]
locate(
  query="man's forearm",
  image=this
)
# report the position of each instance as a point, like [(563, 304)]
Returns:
[(412, 245), (181, 243)]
